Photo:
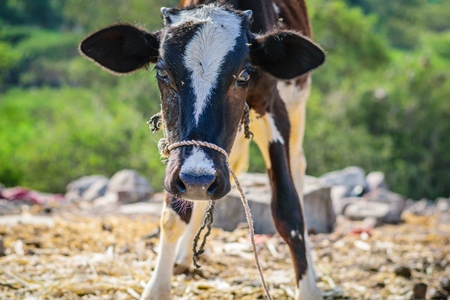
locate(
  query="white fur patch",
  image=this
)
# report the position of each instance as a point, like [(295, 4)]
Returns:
[(275, 134), (206, 51), (198, 164), (293, 94)]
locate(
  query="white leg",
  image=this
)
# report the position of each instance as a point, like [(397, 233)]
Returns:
[(172, 227), (184, 247)]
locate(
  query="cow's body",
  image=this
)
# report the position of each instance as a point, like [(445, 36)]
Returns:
[(277, 114)]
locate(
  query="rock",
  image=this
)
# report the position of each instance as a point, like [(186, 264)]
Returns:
[(108, 200), (396, 202), (403, 271), (376, 180), (419, 291), (96, 190), (340, 205), (148, 208), (369, 223), (129, 186), (445, 284), (319, 213), (106, 226), (437, 295), (76, 189), (442, 204), (423, 207), (363, 209), (26, 219), (258, 193), (349, 177), (318, 207)]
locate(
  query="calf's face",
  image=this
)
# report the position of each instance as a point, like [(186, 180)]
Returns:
[(204, 58)]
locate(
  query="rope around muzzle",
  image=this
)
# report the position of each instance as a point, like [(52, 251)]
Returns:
[(164, 149)]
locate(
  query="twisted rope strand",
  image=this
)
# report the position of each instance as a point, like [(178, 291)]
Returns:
[(207, 222), (165, 149)]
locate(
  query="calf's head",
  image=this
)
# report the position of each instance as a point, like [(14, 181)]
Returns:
[(204, 57)]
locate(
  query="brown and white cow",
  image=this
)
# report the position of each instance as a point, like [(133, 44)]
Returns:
[(210, 60)]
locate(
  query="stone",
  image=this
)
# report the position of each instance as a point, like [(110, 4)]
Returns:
[(230, 211), (369, 223), (403, 271), (442, 204), (363, 209), (129, 186), (108, 200), (437, 295), (349, 177), (423, 207), (396, 202), (419, 290), (445, 284), (76, 188), (147, 208), (318, 207), (14, 220), (376, 180), (340, 205), (96, 190), (319, 213)]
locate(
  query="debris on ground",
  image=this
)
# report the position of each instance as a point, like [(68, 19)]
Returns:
[(111, 257)]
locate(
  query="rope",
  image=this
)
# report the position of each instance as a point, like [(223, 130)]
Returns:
[(165, 149), (207, 222)]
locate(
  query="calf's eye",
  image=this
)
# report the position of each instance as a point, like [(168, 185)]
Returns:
[(161, 73), (244, 77)]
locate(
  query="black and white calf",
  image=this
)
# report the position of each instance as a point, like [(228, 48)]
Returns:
[(210, 60)]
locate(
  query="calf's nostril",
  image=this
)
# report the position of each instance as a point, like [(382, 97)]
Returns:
[(213, 188), (180, 186)]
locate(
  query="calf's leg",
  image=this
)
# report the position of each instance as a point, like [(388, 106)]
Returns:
[(271, 133), (173, 224), (184, 251)]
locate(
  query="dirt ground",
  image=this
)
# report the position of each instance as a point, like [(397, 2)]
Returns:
[(111, 257)]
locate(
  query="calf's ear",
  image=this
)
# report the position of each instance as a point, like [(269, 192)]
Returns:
[(121, 48), (285, 54)]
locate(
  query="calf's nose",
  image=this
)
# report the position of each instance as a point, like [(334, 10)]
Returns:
[(196, 186)]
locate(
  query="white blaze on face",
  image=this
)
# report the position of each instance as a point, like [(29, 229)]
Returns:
[(206, 51), (198, 164)]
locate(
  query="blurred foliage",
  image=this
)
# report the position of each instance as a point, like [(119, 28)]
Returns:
[(55, 136), (380, 101)]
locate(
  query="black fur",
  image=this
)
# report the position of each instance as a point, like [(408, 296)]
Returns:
[(121, 48)]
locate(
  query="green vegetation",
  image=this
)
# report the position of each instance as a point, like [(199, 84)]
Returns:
[(381, 101)]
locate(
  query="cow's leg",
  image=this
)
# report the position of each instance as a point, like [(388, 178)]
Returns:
[(272, 133), (174, 221), (295, 97), (184, 248)]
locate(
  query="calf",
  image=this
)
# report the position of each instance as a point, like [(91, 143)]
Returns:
[(211, 61)]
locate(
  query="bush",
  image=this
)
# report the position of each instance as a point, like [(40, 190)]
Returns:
[(64, 134)]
